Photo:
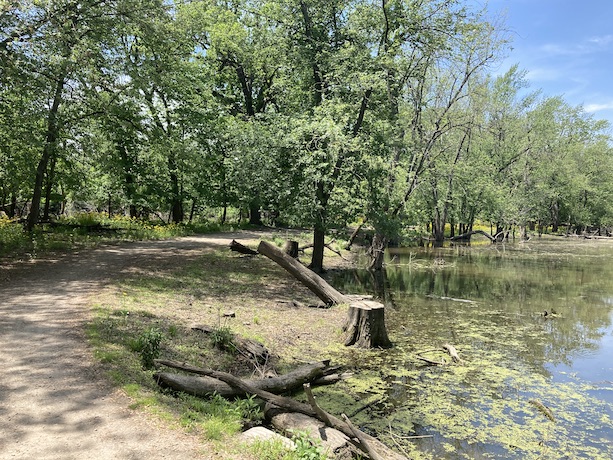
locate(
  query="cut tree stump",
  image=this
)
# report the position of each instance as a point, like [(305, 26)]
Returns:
[(365, 325), (291, 248)]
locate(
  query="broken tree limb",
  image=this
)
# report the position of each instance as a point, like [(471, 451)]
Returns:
[(293, 406), (452, 352), (316, 284), (354, 235), (453, 299), (321, 414), (372, 453), (242, 249), (448, 348), (201, 386)]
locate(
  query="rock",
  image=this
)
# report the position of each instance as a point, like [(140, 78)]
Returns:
[(259, 433)]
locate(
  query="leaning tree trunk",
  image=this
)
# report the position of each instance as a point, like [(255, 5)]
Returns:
[(365, 325), (311, 280)]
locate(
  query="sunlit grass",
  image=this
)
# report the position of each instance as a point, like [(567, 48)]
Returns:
[(90, 229)]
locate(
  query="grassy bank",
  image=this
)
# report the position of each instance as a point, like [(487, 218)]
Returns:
[(149, 313)]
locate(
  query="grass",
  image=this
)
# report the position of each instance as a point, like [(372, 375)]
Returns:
[(90, 229), (168, 297)]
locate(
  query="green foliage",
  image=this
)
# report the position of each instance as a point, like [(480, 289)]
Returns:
[(222, 338), (148, 345), (305, 449)]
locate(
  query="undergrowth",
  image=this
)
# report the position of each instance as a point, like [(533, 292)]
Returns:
[(89, 229)]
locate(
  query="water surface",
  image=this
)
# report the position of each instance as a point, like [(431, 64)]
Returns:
[(533, 324)]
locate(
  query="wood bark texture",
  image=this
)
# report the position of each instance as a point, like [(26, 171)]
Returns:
[(242, 249), (365, 325), (315, 373), (315, 283), (292, 406)]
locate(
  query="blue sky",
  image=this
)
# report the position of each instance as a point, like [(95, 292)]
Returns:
[(566, 46)]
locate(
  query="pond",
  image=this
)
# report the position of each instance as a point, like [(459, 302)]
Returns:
[(532, 323)]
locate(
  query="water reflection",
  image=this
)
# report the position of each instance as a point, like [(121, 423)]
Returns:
[(533, 320)]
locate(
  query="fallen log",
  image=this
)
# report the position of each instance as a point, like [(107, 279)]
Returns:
[(242, 249), (315, 373), (294, 406), (250, 349)]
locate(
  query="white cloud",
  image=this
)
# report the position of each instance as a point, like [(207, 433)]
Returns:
[(603, 40), (590, 108)]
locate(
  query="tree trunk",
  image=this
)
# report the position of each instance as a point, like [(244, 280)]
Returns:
[(204, 386), (354, 235), (311, 280), (365, 325), (377, 251), (49, 188), (48, 151), (291, 248), (317, 258), (255, 216)]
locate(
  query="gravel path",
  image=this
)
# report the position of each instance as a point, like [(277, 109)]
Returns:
[(53, 405)]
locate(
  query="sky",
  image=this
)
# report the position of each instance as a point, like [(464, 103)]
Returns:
[(566, 47)]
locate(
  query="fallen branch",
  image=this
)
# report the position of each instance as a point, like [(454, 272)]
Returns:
[(291, 405), (372, 453), (316, 373), (452, 352), (450, 349), (453, 299)]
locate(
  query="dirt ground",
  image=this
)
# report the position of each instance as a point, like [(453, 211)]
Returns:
[(53, 402)]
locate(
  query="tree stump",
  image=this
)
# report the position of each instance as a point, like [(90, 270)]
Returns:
[(365, 325), (291, 248)]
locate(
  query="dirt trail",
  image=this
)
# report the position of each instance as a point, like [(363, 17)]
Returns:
[(53, 405)]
